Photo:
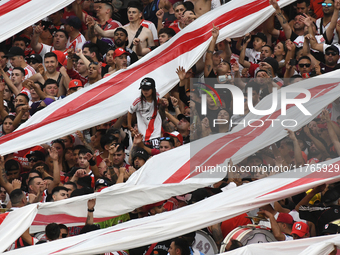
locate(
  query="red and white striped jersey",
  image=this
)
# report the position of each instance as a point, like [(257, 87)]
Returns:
[(77, 43), (29, 71), (149, 121)]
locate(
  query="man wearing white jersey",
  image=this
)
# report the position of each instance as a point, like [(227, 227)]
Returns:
[(16, 56)]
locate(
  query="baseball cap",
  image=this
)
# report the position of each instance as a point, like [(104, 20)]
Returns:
[(181, 116), (61, 57), (330, 228), (15, 51), (140, 152), (300, 228), (285, 218), (273, 62), (101, 182), (38, 154), (75, 84), (12, 165), (174, 134), (120, 51), (35, 58), (262, 36), (73, 21), (332, 48), (147, 83)]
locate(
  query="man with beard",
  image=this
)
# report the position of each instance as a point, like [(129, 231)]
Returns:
[(51, 64), (323, 23), (140, 157)]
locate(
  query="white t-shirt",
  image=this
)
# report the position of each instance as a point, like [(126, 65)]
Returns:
[(253, 55), (148, 118)]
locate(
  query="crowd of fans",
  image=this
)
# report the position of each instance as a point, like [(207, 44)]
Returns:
[(88, 40)]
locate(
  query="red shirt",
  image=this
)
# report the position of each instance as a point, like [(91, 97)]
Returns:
[(228, 225)]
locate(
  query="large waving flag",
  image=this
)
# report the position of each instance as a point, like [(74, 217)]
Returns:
[(167, 225), (16, 15), (150, 184), (111, 97)]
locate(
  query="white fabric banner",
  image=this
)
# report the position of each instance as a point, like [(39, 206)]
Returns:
[(16, 15), (111, 97), (321, 245), (205, 213)]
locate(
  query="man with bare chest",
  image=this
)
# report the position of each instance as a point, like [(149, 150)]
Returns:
[(201, 6), (135, 27)]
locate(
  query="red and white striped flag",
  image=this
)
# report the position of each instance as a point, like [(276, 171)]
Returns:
[(16, 15), (111, 97)]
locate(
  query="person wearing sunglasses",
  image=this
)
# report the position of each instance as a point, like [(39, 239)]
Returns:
[(323, 23), (304, 65)]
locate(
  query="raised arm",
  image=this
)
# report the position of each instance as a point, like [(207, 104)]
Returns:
[(241, 60), (9, 82), (208, 58), (284, 24), (35, 44), (297, 150), (332, 24)]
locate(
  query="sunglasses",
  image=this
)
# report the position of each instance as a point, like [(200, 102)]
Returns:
[(63, 235), (302, 65), (33, 160), (331, 53), (328, 5), (165, 138)]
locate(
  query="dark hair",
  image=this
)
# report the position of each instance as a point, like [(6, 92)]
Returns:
[(50, 81), (189, 10), (25, 96), (154, 98), (52, 231), (34, 171), (284, 46), (182, 244), (84, 151), (22, 70), (51, 55), (107, 139), (78, 147), (121, 147), (12, 117), (32, 179), (235, 244), (61, 30), (135, 4), (23, 39), (59, 141), (303, 1), (58, 188), (40, 84), (71, 183), (189, 6), (92, 48), (305, 57), (270, 47), (166, 30), (16, 196), (43, 164), (122, 30), (168, 139)]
